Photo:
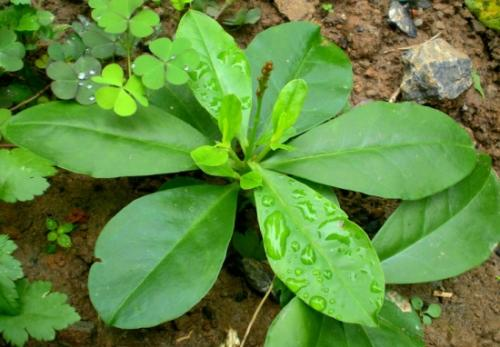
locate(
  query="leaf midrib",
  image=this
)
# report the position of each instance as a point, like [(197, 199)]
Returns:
[(355, 150), (104, 133), (308, 236), (169, 253)]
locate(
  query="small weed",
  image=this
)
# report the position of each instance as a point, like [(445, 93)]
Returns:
[(431, 312)]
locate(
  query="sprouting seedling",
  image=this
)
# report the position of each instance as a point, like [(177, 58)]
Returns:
[(118, 95), (118, 16), (327, 7), (74, 81), (432, 311), (172, 61), (58, 234)]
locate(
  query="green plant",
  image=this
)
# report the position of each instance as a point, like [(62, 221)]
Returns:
[(327, 7), (265, 120), (28, 309), (432, 311), (58, 234), (476, 80)]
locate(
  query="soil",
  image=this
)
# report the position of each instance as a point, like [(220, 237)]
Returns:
[(470, 317)]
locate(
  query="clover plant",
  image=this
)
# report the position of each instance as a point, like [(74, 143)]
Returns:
[(267, 122)]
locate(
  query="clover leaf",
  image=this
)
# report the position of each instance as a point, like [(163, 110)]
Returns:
[(119, 96), (116, 16), (70, 50), (171, 62), (102, 45), (11, 51), (73, 81)]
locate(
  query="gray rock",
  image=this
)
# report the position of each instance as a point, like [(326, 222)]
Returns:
[(258, 274), (399, 16), (435, 70)]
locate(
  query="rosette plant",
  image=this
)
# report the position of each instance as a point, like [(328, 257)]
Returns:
[(267, 121)]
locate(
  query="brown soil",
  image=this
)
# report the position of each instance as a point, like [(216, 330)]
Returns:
[(470, 317)]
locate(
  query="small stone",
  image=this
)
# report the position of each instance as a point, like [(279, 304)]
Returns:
[(418, 22), (257, 274), (435, 70), (399, 16), (295, 10)]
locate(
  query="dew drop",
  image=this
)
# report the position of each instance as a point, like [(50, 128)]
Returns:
[(325, 289), (305, 295), (318, 303), (133, 66), (299, 272), (267, 201), (298, 193), (81, 76), (332, 302), (331, 312), (276, 235), (92, 98), (327, 274), (295, 246), (81, 84), (90, 86), (186, 68), (173, 57), (91, 72), (308, 256), (307, 210), (296, 284), (375, 287), (316, 272)]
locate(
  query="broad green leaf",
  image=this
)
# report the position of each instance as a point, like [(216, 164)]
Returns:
[(401, 151), (161, 254), (10, 271), (445, 234), (11, 51), (299, 325), (23, 174), (171, 63), (286, 110), (229, 118), (42, 313), (298, 51), (223, 70), (180, 102), (74, 80), (89, 140), (324, 258)]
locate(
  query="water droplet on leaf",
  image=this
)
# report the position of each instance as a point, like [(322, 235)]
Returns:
[(318, 303), (308, 256), (276, 234)]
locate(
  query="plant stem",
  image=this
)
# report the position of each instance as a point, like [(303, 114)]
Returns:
[(30, 99), (241, 164), (255, 314), (263, 154)]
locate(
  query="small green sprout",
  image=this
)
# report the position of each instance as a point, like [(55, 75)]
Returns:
[(327, 7), (58, 234), (432, 311), (476, 80)]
